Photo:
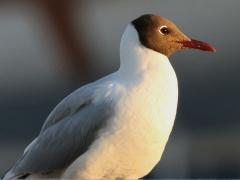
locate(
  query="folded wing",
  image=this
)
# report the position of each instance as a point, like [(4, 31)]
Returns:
[(66, 134)]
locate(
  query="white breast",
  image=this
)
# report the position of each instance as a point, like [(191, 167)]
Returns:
[(134, 141)]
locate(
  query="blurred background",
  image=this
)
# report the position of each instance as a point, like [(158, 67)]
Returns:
[(48, 48)]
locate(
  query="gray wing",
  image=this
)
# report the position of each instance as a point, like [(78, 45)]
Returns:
[(67, 133)]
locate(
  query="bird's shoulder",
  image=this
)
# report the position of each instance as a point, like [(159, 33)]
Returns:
[(99, 92)]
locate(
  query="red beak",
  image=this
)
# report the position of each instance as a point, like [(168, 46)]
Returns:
[(195, 44)]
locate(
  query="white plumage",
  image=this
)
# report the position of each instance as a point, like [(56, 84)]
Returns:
[(134, 139)]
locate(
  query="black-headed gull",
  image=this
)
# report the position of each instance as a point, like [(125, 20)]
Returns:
[(118, 126)]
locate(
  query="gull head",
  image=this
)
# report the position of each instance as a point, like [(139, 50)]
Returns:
[(163, 36)]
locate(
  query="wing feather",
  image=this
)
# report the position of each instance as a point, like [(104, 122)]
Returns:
[(67, 133)]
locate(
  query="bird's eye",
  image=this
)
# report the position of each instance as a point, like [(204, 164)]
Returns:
[(164, 30)]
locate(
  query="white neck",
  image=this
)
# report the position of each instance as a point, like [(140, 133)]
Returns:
[(151, 75), (137, 60)]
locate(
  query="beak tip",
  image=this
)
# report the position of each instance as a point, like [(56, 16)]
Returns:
[(210, 49), (214, 50)]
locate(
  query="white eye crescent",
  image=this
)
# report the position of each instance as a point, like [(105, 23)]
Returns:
[(164, 30)]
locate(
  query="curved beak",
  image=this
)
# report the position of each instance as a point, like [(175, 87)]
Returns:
[(195, 44)]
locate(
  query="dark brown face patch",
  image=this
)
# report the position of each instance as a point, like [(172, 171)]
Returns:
[(159, 34)]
